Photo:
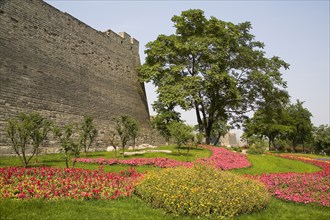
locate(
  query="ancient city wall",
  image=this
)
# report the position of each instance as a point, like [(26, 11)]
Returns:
[(52, 63)]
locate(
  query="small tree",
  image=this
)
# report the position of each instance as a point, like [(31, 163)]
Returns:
[(125, 127), (88, 134), (112, 140), (165, 116), (40, 127), (181, 133), (25, 130), (134, 129), (199, 137), (68, 145)]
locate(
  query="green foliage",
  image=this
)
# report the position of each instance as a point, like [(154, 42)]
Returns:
[(87, 134), (25, 130), (134, 129), (165, 116), (322, 139), (126, 127), (199, 137), (255, 149), (219, 129), (213, 67), (237, 149), (300, 121), (69, 145), (202, 191), (180, 132), (256, 145), (112, 140), (270, 121), (280, 122)]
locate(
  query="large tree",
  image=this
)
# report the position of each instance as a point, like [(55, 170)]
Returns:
[(302, 127), (211, 66), (322, 139), (269, 123)]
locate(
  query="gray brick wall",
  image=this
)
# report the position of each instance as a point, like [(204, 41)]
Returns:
[(52, 63)]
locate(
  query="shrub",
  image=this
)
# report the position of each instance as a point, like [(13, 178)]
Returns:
[(237, 149), (202, 191), (255, 149)]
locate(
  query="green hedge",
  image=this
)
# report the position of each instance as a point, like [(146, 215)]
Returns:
[(202, 191)]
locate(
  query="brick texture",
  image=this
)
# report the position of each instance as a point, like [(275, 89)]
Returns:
[(52, 63)]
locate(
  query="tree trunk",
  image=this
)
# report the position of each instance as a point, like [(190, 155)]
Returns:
[(207, 135), (274, 145), (217, 140), (66, 163), (188, 151)]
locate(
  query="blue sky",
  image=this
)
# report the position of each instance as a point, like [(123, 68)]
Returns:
[(296, 31)]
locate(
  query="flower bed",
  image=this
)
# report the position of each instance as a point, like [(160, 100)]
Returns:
[(221, 158), (225, 159), (300, 187), (202, 191), (157, 162), (56, 183)]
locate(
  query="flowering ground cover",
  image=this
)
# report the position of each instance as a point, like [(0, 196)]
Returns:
[(221, 158), (300, 187), (68, 183), (225, 159)]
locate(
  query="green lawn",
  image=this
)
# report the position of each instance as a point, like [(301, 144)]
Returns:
[(134, 208), (56, 160), (272, 164)]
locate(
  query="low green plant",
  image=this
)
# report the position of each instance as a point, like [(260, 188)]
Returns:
[(237, 149), (255, 149), (202, 191)]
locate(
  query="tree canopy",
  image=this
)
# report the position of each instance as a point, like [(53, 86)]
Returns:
[(215, 67), (284, 121)]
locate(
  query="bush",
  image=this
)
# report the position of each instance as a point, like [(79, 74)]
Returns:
[(237, 149), (256, 150), (202, 191)]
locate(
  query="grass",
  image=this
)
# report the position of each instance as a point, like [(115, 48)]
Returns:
[(134, 208), (56, 160), (272, 164)]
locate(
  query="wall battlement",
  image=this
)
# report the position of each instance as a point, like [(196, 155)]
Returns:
[(52, 63)]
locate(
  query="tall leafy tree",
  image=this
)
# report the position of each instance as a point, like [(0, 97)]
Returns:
[(211, 66), (270, 121), (300, 121), (322, 139)]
